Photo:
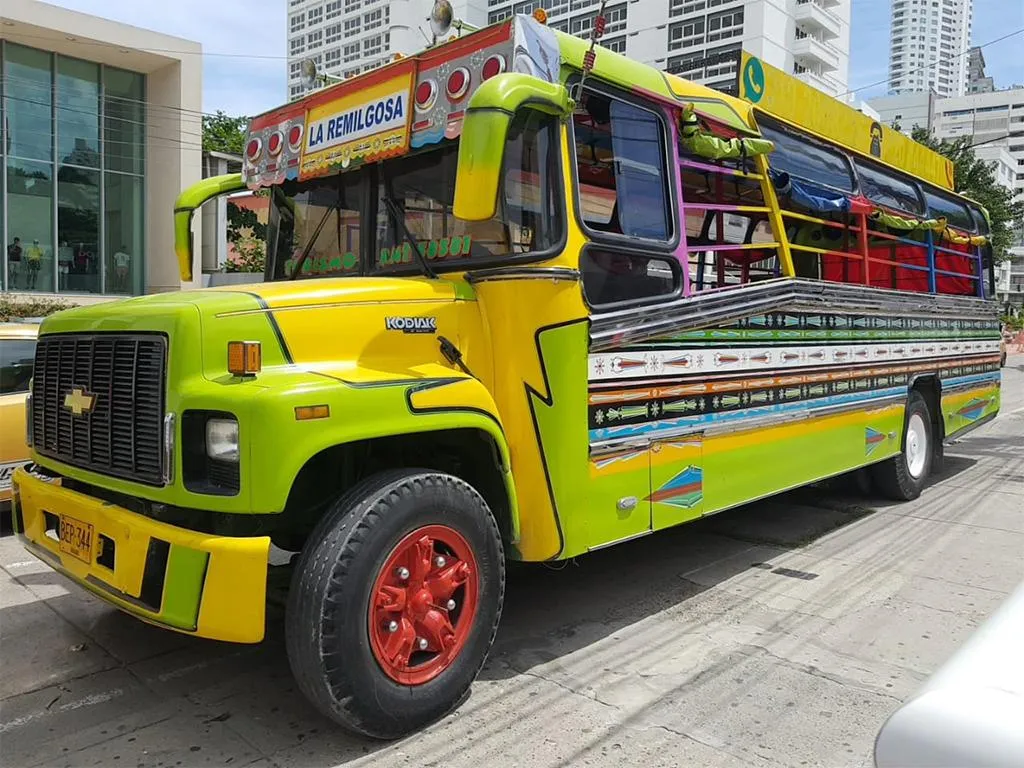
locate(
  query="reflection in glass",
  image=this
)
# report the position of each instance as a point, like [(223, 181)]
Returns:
[(123, 120), (78, 112), (123, 222), (78, 229), (27, 88), (30, 257)]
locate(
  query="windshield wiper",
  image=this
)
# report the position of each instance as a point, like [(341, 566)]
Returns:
[(309, 246), (399, 221)]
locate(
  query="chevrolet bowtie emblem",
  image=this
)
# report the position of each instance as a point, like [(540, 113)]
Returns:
[(78, 401)]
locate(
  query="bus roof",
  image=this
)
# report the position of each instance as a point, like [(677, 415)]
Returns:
[(355, 121)]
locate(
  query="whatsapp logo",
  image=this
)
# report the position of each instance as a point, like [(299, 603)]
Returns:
[(753, 80)]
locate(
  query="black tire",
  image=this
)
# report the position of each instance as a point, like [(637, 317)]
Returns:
[(893, 477), (327, 631)]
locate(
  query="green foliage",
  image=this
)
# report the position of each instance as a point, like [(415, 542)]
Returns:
[(1014, 323), (222, 133), (13, 309), (250, 255), (242, 219), (974, 178), (247, 237)]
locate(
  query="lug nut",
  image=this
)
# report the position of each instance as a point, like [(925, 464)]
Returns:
[(392, 626), (439, 561), (403, 573), (423, 643), (451, 605)]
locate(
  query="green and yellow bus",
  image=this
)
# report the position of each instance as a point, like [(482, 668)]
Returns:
[(524, 298)]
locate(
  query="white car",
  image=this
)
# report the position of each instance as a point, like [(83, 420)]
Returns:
[(970, 712)]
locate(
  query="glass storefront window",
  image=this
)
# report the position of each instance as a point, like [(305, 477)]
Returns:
[(88, 122), (78, 112), (124, 120), (27, 103), (78, 230), (124, 236), (30, 253)]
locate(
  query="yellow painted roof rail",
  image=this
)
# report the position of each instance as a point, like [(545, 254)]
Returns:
[(185, 206)]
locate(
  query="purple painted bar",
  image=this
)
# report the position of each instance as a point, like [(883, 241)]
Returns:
[(724, 207), (712, 168), (735, 247), (682, 254)]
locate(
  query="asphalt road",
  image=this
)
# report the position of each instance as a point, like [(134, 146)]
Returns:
[(780, 634)]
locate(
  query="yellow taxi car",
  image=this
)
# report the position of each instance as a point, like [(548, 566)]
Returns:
[(17, 358)]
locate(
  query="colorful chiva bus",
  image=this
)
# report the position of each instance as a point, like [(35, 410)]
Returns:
[(520, 302)]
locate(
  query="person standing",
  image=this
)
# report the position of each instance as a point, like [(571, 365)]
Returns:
[(122, 267), (13, 263), (33, 261)]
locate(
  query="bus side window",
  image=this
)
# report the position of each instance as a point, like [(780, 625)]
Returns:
[(613, 276), (724, 206), (621, 168)]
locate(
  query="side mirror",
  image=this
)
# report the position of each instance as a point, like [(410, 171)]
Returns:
[(485, 130), (185, 207)]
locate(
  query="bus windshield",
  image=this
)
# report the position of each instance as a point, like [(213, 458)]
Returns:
[(340, 226)]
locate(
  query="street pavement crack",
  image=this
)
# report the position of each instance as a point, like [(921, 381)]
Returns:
[(563, 686)]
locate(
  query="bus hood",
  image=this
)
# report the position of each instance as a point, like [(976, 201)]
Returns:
[(294, 294), (354, 328)]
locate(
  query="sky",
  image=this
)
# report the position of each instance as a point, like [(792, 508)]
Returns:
[(245, 63)]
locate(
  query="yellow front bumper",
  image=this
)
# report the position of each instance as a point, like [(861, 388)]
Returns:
[(196, 583)]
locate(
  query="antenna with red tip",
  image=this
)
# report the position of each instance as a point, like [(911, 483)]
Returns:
[(590, 57)]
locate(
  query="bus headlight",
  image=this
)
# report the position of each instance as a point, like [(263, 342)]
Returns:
[(222, 439)]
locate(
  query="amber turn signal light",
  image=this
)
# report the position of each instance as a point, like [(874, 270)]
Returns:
[(244, 358), (307, 412)]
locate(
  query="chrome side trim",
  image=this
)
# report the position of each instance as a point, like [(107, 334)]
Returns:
[(523, 273), (624, 539), (616, 329)]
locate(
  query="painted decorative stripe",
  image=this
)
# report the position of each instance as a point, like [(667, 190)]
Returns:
[(777, 388), (872, 439), (607, 460), (653, 428), (609, 366), (685, 490), (973, 409)]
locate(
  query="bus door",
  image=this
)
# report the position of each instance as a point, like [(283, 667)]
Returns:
[(642, 476)]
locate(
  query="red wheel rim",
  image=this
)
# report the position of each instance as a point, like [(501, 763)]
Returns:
[(423, 604)]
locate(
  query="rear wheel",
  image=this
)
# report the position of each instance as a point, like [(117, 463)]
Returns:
[(903, 476), (395, 601)]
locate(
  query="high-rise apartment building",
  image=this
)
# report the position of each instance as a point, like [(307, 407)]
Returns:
[(346, 37), (928, 45), (698, 39), (977, 80)]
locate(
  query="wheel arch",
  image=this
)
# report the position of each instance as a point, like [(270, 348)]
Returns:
[(466, 444), (929, 386)]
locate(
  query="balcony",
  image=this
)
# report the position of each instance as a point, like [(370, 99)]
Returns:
[(815, 54), (813, 16), (819, 81)]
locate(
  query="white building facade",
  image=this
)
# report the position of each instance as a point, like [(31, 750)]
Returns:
[(101, 127), (995, 120), (697, 39), (928, 45)]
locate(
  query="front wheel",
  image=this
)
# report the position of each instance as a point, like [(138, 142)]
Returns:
[(395, 602), (903, 476)]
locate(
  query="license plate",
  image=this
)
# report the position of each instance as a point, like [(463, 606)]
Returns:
[(7, 473), (76, 538)]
